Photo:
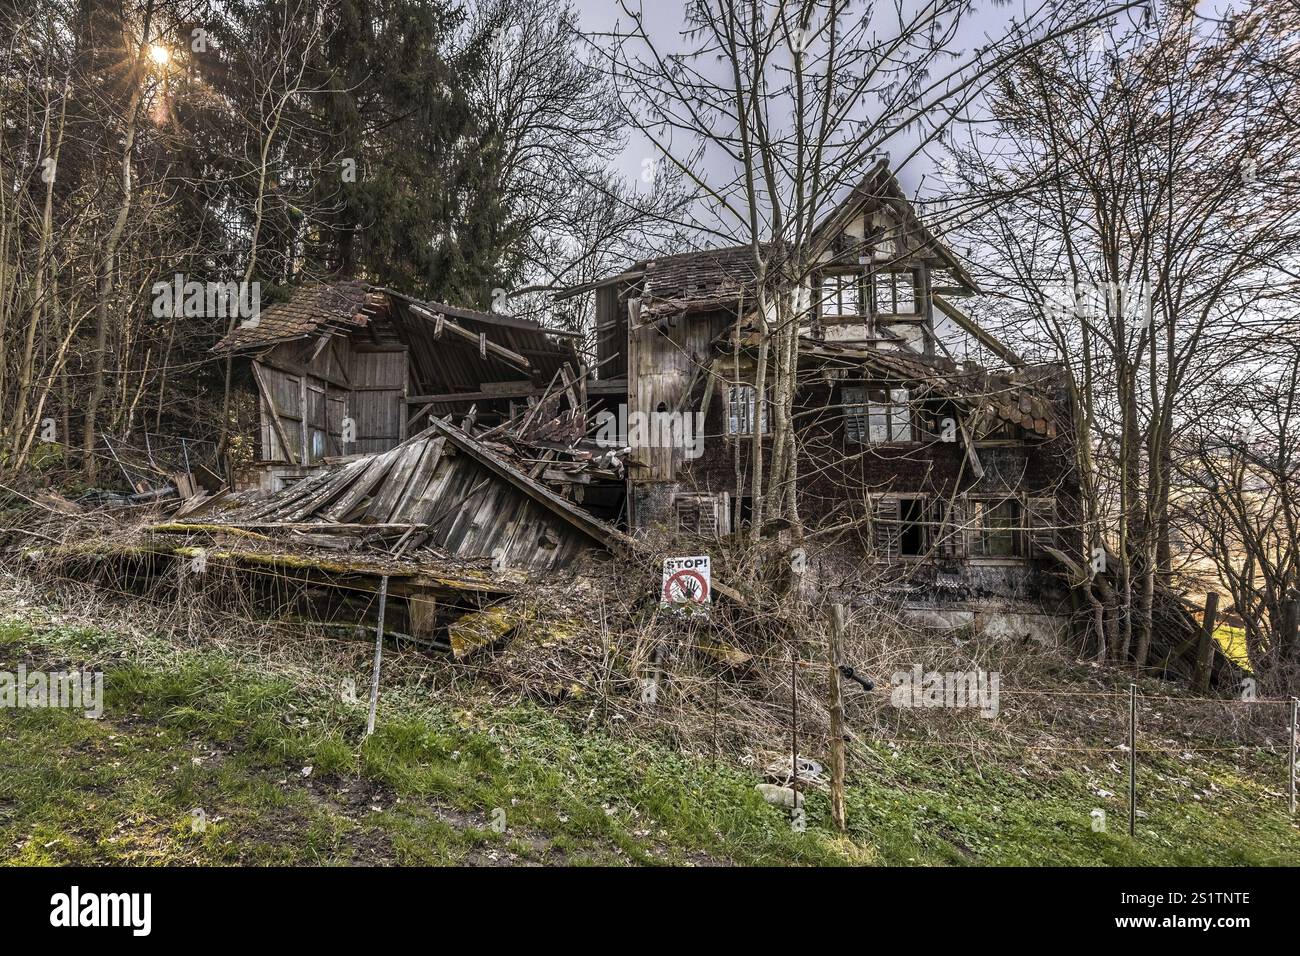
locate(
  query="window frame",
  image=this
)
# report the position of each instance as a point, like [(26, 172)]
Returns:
[(862, 417), (892, 552), (751, 412), (851, 279), (977, 507), (894, 285)]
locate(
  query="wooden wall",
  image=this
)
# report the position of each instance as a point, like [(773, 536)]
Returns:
[(308, 388)]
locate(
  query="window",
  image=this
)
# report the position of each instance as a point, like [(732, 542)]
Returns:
[(877, 415), (895, 293), (901, 527), (700, 515), (996, 529), (740, 410), (912, 529), (840, 294)]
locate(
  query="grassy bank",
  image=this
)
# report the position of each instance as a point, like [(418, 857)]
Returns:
[(206, 755)]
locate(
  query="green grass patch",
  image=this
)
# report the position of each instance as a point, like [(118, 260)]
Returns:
[(205, 759)]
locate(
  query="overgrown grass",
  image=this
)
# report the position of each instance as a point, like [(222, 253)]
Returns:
[(207, 759)]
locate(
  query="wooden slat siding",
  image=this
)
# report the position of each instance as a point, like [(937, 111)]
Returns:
[(304, 496), (287, 498), (888, 530), (475, 514), (395, 484), (485, 529), (520, 539), (314, 420), (565, 510), (481, 503), (1040, 520), (664, 366), (421, 508), (376, 469), (326, 495), (378, 392), (335, 412), (418, 482), (449, 490), (281, 408), (447, 524)]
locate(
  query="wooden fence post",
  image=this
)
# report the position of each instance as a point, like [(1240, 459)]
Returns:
[(1295, 706), (1205, 650), (1132, 758), (379, 656), (837, 721)]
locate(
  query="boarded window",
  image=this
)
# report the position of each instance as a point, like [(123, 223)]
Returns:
[(996, 529), (855, 413), (895, 292), (699, 515), (1041, 513), (741, 400)]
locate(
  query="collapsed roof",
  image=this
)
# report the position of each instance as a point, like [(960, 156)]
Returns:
[(451, 347), (444, 490), (725, 277)]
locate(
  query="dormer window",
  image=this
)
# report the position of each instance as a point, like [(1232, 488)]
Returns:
[(841, 294), (895, 292)]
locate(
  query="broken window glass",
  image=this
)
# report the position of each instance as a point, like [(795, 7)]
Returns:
[(996, 529), (840, 295), (885, 417), (741, 400)]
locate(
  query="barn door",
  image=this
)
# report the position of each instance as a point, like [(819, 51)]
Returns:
[(378, 399)]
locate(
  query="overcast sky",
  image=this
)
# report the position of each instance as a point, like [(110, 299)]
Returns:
[(663, 19)]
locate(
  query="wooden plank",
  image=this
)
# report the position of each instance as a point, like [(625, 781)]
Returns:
[(325, 495), (419, 480), (394, 485), (374, 472), (481, 396), (500, 351), (1205, 648), (269, 405), (593, 527)]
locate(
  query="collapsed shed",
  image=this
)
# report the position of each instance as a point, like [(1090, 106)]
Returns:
[(348, 368)]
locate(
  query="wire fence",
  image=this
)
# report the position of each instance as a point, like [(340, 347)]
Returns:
[(1129, 713)]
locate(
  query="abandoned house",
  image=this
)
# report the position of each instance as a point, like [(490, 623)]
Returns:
[(911, 459), (957, 478), (347, 368), (444, 433)]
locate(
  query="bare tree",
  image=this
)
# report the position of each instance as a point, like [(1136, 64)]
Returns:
[(1135, 211), (1237, 505), (774, 112)]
